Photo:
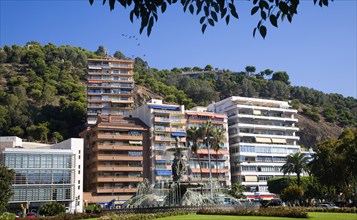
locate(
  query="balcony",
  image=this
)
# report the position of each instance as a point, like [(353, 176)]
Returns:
[(95, 66), (118, 137), (275, 118), (163, 167), (161, 138), (179, 121), (117, 179), (207, 179), (267, 127), (122, 101), (160, 148), (243, 134), (116, 190), (160, 119), (115, 147), (212, 152), (172, 112), (117, 157), (117, 168), (121, 66), (206, 170), (162, 157)]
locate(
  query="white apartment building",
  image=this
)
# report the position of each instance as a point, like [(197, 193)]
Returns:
[(261, 135), (44, 172)]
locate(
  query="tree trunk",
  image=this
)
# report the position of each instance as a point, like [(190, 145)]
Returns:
[(199, 164), (217, 166)]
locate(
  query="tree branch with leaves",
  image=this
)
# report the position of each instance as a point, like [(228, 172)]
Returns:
[(211, 11)]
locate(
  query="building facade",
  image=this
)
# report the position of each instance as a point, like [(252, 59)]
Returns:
[(45, 173), (220, 163), (167, 130), (110, 87), (114, 150), (261, 135)]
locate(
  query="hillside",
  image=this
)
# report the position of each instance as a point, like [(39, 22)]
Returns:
[(43, 98)]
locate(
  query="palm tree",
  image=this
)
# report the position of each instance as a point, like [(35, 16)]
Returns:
[(295, 163), (193, 136), (205, 133), (217, 142)]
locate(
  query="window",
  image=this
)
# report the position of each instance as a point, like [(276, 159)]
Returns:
[(278, 150), (264, 178), (247, 148), (134, 153), (263, 149), (249, 168)]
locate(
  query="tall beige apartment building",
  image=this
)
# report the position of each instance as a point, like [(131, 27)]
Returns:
[(110, 87), (167, 128)]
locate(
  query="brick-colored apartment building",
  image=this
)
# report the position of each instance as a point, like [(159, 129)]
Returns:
[(113, 163)]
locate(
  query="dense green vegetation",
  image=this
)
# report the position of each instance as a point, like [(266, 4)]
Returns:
[(6, 177), (42, 92), (333, 170), (208, 86)]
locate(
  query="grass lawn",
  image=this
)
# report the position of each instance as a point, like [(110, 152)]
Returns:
[(312, 216)]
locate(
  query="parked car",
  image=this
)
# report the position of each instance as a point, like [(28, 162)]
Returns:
[(31, 215), (329, 205), (275, 202)]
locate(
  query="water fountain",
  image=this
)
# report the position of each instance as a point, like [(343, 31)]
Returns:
[(177, 192)]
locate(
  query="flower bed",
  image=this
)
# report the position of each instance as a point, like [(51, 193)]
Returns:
[(273, 211), (113, 216)]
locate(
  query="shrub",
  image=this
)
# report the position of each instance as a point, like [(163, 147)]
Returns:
[(94, 208), (271, 211), (112, 216), (292, 193), (7, 216), (53, 208), (322, 209), (70, 216)]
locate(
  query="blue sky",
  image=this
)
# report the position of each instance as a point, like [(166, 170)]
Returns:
[(318, 49)]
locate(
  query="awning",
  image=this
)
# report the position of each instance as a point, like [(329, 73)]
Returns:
[(178, 134), (251, 179), (172, 108), (257, 112), (262, 140), (279, 140), (136, 142), (163, 172)]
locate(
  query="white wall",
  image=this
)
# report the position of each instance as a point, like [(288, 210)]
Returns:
[(76, 145)]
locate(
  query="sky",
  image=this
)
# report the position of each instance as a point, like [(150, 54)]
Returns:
[(318, 49)]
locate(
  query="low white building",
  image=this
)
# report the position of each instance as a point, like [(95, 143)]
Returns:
[(261, 135), (44, 173)]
